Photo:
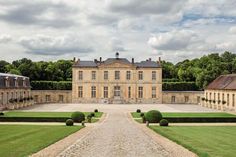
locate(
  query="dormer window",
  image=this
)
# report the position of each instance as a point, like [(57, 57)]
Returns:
[(6, 82), (15, 82)]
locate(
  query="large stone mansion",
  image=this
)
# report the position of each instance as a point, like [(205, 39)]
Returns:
[(117, 80)]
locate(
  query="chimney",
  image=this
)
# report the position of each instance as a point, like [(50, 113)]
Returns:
[(78, 60), (150, 59), (100, 59), (95, 60), (117, 55), (159, 60), (132, 60), (74, 59)]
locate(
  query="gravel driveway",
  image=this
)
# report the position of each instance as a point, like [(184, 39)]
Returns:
[(117, 136)]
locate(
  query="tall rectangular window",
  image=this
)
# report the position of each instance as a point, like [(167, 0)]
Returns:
[(218, 96), (140, 92), (233, 100), (173, 99), (227, 100), (128, 74), (48, 98), (105, 75), (61, 98), (129, 92), (140, 75), (80, 91), (154, 75), (80, 75), (93, 75), (154, 89), (105, 92), (186, 98), (93, 91), (117, 75), (214, 96)]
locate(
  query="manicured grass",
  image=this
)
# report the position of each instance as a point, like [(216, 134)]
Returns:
[(182, 114), (205, 141), (45, 114), (23, 140)]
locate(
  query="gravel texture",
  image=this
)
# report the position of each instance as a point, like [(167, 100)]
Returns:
[(117, 136)]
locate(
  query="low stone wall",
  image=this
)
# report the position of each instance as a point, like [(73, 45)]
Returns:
[(51, 96), (182, 97)]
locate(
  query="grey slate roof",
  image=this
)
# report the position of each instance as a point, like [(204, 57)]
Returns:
[(12, 78), (148, 64), (142, 64)]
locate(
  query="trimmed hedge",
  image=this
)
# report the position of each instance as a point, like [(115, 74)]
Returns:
[(51, 85), (170, 80), (34, 119), (200, 119), (153, 116), (179, 86)]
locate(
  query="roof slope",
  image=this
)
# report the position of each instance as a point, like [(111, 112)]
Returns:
[(227, 82), (96, 63)]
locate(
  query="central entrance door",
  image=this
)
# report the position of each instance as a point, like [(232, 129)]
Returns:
[(116, 91)]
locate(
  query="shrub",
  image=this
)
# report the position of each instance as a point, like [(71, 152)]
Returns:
[(1, 113), (144, 119), (138, 110), (92, 114), (78, 117), (96, 110), (153, 116), (141, 114), (69, 122), (164, 122)]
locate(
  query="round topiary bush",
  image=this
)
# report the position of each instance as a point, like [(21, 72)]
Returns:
[(78, 116), (164, 122), (92, 114), (138, 110), (141, 114), (69, 122), (96, 110), (153, 116), (1, 113)]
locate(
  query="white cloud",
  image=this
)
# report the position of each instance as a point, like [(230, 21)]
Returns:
[(174, 40), (53, 45), (232, 30), (5, 38)]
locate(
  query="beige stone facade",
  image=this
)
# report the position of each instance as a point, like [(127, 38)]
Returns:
[(182, 97), (220, 99), (15, 91), (221, 93), (51, 96), (117, 80)]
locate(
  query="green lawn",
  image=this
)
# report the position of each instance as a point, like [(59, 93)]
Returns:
[(206, 141), (45, 114), (182, 114), (23, 140)]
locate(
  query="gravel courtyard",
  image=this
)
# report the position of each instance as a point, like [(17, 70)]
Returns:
[(118, 135), (125, 108)]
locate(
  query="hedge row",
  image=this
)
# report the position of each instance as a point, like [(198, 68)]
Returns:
[(170, 80), (179, 86), (170, 119), (201, 119), (51, 85), (33, 119)]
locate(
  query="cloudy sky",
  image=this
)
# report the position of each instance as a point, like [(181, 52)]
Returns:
[(88, 29)]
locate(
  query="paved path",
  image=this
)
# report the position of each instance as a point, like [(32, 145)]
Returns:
[(120, 136)]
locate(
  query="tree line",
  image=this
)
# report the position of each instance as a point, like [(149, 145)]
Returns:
[(201, 70)]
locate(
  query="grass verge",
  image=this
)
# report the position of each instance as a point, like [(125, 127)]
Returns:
[(23, 140), (205, 141)]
